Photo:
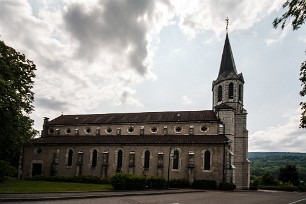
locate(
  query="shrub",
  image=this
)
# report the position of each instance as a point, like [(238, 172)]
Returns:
[(118, 181), (156, 182), (227, 186), (178, 183), (134, 182), (204, 184)]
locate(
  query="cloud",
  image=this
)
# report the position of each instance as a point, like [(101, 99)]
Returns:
[(186, 100), (283, 137), (50, 104), (202, 16)]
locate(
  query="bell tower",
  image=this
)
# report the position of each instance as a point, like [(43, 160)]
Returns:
[(228, 105)]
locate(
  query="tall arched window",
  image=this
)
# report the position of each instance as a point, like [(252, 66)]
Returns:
[(207, 160), (240, 92), (231, 91), (146, 159), (219, 93), (70, 156), (119, 160), (94, 158), (176, 157)]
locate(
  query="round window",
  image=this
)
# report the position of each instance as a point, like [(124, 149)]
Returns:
[(51, 130), (131, 129), (154, 129), (204, 128), (68, 130), (88, 130), (178, 129), (109, 130)]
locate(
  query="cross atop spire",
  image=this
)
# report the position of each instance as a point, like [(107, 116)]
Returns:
[(227, 19)]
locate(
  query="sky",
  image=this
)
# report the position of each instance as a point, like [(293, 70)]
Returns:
[(109, 56)]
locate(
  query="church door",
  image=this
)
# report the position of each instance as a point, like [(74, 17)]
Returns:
[(36, 169)]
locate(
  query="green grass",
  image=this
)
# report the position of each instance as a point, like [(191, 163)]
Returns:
[(23, 186)]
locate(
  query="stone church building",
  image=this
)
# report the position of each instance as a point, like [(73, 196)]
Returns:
[(204, 144)]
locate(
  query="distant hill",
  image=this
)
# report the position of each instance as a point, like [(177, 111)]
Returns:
[(271, 162), (275, 154)]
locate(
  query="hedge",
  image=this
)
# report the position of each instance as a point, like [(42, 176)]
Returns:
[(227, 186)]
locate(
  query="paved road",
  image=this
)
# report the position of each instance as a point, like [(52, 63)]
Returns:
[(262, 197)]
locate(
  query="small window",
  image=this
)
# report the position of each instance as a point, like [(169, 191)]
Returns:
[(178, 129), (109, 130), (119, 160), (231, 91), (207, 160), (240, 92), (87, 130), (176, 157), (70, 157), (98, 131), (219, 93), (68, 131), (146, 160), (204, 128), (154, 129), (51, 130), (76, 131), (132, 159), (131, 129), (94, 158)]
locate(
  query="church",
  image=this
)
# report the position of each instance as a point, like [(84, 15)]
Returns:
[(191, 145)]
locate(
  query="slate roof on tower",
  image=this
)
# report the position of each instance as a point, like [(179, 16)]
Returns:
[(227, 62)]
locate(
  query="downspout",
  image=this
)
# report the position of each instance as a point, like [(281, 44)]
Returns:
[(224, 155)]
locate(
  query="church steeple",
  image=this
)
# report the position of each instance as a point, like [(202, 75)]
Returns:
[(227, 61)]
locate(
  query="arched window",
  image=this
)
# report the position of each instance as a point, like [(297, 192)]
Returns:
[(207, 160), (176, 157), (119, 160), (240, 92), (219, 93), (94, 158), (146, 159), (70, 156), (231, 91)]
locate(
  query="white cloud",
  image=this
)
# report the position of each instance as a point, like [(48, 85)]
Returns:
[(283, 137), (186, 100), (277, 36), (202, 16)]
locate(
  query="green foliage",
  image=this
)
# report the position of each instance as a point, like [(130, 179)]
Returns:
[(16, 82), (6, 170), (156, 182), (205, 184), (72, 179), (124, 181), (268, 179), (178, 183), (297, 11), (279, 188), (262, 162), (227, 186), (288, 174)]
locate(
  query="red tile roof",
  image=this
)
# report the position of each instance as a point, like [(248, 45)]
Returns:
[(145, 117)]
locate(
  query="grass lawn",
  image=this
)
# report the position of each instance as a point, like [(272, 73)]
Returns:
[(23, 186)]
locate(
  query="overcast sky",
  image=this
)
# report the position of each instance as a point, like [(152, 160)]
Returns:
[(103, 56)]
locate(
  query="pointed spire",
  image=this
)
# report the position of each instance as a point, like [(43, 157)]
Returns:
[(227, 61)]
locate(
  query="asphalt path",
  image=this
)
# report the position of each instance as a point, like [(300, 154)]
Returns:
[(186, 197)]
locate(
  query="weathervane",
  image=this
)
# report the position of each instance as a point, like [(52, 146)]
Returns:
[(227, 19)]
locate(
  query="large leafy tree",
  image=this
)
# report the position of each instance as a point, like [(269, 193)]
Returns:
[(289, 173), (16, 97), (296, 15)]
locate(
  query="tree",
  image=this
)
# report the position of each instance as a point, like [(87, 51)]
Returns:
[(16, 98), (288, 174), (297, 11)]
